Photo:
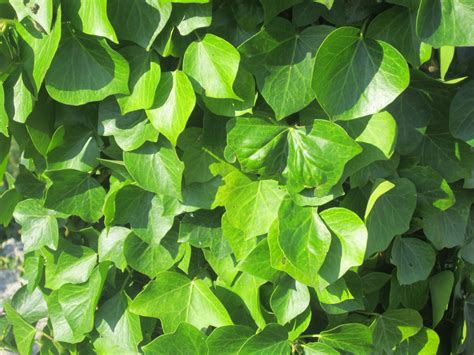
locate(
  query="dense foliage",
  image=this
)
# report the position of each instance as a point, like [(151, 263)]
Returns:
[(239, 176)]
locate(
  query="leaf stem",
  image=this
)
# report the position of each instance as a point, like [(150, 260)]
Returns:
[(310, 336)]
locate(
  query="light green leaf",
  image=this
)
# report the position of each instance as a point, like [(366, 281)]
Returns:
[(289, 299), (119, 329), (111, 245), (317, 156), (19, 100), (185, 340), (212, 63), (3, 114), (345, 95), (107, 71), (193, 16), (145, 74), (445, 23), (72, 307), (75, 193), (39, 225), (348, 242), (229, 339), (446, 56), (156, 167), (425, 342), (30, 305), (395, 326), (441, 286), (173, 298), (251, 206), (257, 262), (8, 200), (72, 147), (318, 349), (414, 259), (23, 332), (174, 102), (273, 339), (248, 288), (37, 49), (151, 258), (43, 13), (153, 15), (90, 16), (303, 239), (70, 264), (388, 213), (461, 114), (354, 338)]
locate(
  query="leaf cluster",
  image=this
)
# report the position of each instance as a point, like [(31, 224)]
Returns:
[(239, 176)]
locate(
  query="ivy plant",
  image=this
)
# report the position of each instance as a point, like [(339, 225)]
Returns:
[(239, 176)]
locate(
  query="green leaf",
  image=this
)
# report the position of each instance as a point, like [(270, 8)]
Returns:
[(111, 246), (284, 61), (317, 156), (70, 264), (39, 225), (273, 7), (72, 147), (145, 74), (397, 26), (90, 16), (150, 216), (433, 192), (461, 115), (156, 168), (201, 229), (318, 349), (3, 113), (303, 239), (75, 193), (31, 306), (23, 332), (130, 131), (414, 259), (273, 339), (119, 329), (8, 200), (173, 104), (348, 242), (19, 100), (389, 211), (345, 95), (173, 298), (151, 258), (257, 262), (251, 206), (107, 71), (395, 326), (186, 338), (441, 286), (193, 16), (412, 110), (212, 64), (72, 307), (447, 229), (445, 23), (153, 15), (37, 49), (228, 339), (289, 299), (425, 342), (354, 338), (42, 14)]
